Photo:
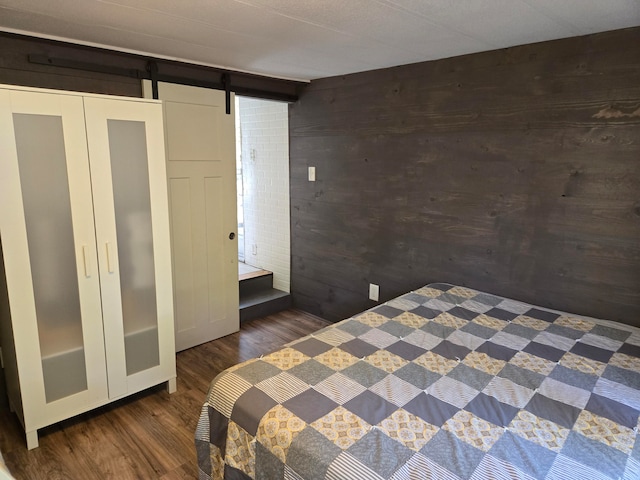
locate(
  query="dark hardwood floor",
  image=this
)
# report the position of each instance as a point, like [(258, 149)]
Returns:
[(148, 435)]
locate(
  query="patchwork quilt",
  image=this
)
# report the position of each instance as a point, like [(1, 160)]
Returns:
[(443, 382)]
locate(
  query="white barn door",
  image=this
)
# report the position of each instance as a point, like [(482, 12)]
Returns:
[(201, 170)]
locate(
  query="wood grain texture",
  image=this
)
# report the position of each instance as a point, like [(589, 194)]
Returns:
[(151, 434), (515, 171)]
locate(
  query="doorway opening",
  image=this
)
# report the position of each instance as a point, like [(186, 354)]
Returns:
[(262, 178)]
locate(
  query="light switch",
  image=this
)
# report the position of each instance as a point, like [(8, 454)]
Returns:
[(312, 174), (374, 292)]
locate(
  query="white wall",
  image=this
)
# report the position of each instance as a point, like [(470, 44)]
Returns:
[(264, 128)]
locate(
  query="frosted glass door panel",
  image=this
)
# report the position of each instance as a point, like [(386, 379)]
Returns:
[(47, 209), (130, 176)]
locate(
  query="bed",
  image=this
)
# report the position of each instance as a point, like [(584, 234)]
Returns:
[(444, 382)]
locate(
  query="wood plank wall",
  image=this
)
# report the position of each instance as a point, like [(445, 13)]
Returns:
[(515, 171)]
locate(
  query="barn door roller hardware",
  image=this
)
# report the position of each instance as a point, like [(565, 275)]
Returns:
[(151, 72)]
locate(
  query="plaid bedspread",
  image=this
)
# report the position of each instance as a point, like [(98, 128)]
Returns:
[(444, 382)]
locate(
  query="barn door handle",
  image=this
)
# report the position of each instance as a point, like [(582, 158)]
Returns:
[(232, 236)]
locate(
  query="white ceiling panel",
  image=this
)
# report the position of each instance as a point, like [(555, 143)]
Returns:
[(312, 38)]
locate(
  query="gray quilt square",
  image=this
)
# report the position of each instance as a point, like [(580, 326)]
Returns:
[(358, 348), (406, 350), (626, 377), (396, 329), (513, 306), (443, 287), (470, 376), (451, 350), (522, 376), (437, 304), (425, 312), (487, 299), (556, 341), (479, 330), (380, 453), (218, 425), (565, 331), (310, 454), (231, 473), (510, 341), (463, 313), (471, 304), (387, 311), (601, 342), (610, 332), (203, 454), (415, 297), (250, 407), (594, 454), (310, 405), (564, 393), (312, 347), (594, 353), (499, 352), (437, 329), (347, 463), (311, 371), (257, 371), (618, 392), (574, 377), (558, 412), (431, 409), (544, 351), (465, 339), (444, 446), (501, 314), (451, 298), (506, 391), (527, 456), (564, 464), (545, 315), (364, 373), (402, 303), (492, 410), (417, 375), (616, 411), (370, 407), (354, 327), (520, 331), (629, 349), (422, 339), (270, 466)]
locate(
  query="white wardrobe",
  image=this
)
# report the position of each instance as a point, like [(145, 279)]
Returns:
[(84, 230)]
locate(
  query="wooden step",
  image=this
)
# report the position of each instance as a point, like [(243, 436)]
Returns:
[(262, 302), (258, 298), (255, 283)]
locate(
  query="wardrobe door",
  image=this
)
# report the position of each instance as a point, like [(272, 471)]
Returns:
[(48, 241), (126, 151)]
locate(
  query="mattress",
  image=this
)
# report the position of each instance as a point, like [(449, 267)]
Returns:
[(444, 382)]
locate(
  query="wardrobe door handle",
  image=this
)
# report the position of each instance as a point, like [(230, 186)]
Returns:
[(85, 261), (109, 254)]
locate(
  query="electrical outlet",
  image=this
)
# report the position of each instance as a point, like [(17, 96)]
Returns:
[(252, 154), (254, 249), (374, 292), (312, 174)]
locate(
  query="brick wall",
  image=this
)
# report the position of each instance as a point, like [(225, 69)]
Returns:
[(264, 129)]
